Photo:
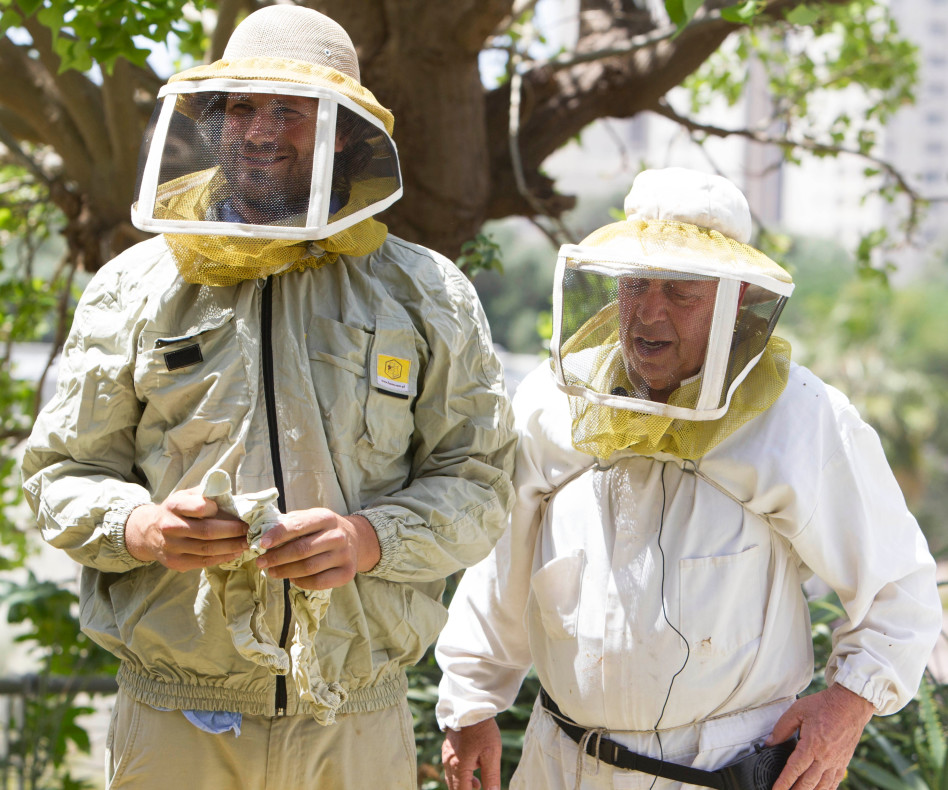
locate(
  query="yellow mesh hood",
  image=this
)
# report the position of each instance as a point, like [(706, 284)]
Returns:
[(228, 260), (679, 245), (602, 430)]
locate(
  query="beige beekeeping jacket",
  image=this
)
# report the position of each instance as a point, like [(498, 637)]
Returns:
[(368, 385)]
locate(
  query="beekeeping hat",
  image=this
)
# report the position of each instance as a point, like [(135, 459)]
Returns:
[(277, 140), (660, 320)]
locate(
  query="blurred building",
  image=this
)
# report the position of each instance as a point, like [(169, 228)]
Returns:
[(917, 139)]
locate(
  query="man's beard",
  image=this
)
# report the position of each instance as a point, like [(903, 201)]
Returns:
[(272, 198)]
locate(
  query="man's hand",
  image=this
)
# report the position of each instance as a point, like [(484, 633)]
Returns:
[(470, 748), (830, 723), (318, 549), (184, 532)]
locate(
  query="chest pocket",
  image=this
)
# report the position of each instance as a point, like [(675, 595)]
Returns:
[(366, 383), (722, 600), (193, 380), (555, 590)]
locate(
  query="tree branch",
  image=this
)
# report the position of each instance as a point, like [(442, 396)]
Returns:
[(27, 161), (563, 96), (481, 21), (611, 73), (75, 95), (227, 13), (561, 235), (29, 91), (517, 10), (567, 60), (125, 126), (62, 329), (804, 142)]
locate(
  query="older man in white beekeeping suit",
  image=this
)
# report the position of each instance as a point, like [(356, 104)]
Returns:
[(277, 430), (678, 478)]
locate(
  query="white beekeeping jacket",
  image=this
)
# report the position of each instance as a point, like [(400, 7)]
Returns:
[(640, 570)]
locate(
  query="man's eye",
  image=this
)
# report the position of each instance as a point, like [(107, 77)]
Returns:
[(634, 287), (682, 293), (240, 108)]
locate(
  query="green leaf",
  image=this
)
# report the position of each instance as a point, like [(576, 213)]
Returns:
[(741, 14), (49, 16), (882, 779), (28, 7), (10, 18), (479, 254), (692, 6), (934, 727), (901, 762), (681, 11), (803, 15)]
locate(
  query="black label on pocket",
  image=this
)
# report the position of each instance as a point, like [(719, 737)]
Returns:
[(399, 395), (182, 357)]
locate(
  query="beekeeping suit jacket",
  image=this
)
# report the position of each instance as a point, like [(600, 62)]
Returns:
[(385, 399), (635, 579)]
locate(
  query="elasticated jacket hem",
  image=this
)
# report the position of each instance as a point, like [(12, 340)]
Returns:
[(388, 691)]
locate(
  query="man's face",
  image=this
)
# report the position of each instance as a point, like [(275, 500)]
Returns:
[(664, 327), (267, 146)]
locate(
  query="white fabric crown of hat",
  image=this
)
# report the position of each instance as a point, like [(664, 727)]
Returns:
[(294, 33), (678, 194)]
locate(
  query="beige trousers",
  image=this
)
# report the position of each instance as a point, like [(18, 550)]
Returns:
[(148, 749)]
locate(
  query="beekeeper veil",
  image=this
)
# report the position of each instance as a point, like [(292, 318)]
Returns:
[(250, 160), (663, 322)]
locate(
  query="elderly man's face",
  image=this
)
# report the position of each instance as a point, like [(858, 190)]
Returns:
[(664, 327), (267, 146)]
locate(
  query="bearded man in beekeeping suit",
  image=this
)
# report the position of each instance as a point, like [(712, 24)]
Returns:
[(277, 430)]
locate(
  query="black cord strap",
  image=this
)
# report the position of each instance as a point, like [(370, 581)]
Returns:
[(615, 754)]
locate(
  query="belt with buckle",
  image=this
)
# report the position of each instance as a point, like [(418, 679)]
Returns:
[(756, 771)]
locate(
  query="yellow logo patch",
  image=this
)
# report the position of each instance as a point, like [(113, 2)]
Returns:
[(392, 373)]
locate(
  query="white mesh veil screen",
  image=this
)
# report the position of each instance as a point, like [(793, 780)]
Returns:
[(659, 341), (248, 162)]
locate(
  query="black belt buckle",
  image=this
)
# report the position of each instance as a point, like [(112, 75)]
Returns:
[(757, 771), (608, 749)]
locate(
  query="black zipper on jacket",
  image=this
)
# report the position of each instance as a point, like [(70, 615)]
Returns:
[(269, 396)]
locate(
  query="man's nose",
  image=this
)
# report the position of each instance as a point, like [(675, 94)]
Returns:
[(651, 305), (263, 127)]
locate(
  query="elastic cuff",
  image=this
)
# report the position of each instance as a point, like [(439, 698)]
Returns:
[(879, 693), (386, 528), (458, 721), (114, 524)]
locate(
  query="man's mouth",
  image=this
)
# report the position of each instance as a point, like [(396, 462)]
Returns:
[(646, 347), (262, 159)]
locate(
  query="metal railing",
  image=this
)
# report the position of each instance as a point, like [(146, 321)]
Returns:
[(35, 685), (15, 693)]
